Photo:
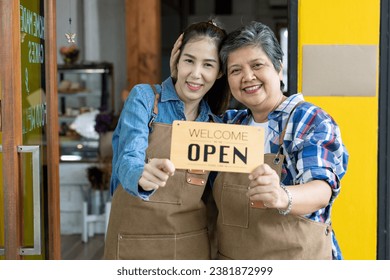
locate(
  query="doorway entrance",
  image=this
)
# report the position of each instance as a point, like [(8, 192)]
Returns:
[(29, 204)]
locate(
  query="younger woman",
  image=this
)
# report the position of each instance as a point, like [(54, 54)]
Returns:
[(157, 211)]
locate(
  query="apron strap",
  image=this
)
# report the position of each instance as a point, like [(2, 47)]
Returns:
[(281, 138), (156, 98), (155, 106)]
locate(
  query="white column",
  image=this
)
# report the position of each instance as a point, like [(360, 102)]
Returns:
[(91, 31)]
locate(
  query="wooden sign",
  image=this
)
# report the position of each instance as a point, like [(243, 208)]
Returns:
[(216, 147)]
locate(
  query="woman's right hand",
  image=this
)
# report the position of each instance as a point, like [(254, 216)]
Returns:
[(156, 174), (175, 56), (265, 186)]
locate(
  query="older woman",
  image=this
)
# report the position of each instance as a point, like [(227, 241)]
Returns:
[(282, 210), (289, 213)]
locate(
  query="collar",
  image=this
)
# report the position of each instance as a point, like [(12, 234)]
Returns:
[(168, 91), (286, 106)]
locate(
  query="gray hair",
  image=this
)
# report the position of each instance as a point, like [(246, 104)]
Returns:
[(253, 34)]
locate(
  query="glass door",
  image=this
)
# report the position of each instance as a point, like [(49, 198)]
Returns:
[(29, 215)]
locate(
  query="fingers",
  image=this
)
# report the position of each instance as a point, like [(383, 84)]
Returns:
[(156, 174), (177, 45), (175, 56), (263, 176), (262, 169), (165, 165), (264, 185), (147, 185)]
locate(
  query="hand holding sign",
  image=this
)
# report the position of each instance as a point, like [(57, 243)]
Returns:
[(156, 173), (216, 147), (265, 187)]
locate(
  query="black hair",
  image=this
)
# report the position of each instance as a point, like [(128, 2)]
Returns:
[(253, 34), (218, 96)]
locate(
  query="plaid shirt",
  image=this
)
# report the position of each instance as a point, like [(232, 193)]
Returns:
[(312, 146)]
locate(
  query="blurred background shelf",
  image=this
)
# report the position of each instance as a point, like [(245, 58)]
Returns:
[(82, 88)]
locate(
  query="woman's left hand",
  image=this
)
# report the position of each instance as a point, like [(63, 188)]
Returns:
[(175, 56), (265, 186)]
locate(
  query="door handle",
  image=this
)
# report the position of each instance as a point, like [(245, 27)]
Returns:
[(36, 249), (34, 150)]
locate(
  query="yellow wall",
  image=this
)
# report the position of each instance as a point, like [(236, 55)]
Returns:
[(349, 22)]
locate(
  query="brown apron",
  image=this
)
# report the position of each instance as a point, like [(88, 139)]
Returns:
[(248, 230), (172, 224)]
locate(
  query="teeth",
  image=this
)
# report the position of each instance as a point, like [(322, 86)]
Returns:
[(252, 88), (194, 85)]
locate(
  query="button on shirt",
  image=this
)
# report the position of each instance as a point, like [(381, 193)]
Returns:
[(312, 145), (130, 138)]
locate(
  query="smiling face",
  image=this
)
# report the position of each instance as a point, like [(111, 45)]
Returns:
[(198, 68), (253, 79)]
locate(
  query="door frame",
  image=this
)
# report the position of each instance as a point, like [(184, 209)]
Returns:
[(292, 47), (10, 79), (53, 191), (11, 102), (383, 228)]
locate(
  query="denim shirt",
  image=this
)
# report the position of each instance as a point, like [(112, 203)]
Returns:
[(130, 138)]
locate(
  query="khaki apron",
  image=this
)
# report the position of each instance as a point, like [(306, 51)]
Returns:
[(171, 225), (248, 230)]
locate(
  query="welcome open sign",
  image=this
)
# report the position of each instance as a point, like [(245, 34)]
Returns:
[(216, 147)]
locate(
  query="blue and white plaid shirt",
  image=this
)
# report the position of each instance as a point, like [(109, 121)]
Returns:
[(312, 146)]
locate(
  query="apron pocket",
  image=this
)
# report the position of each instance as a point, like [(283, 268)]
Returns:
[(235, 206), (320, 239), (193, 245), (187, 187), (146, 247), (171, 193), (222, 257)]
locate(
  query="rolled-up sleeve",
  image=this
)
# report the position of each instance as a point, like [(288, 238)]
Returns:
[(130, 141), (321, 154)]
